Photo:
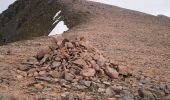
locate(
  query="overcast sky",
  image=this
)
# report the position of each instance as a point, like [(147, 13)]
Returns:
[(148, 6), (4, 4)]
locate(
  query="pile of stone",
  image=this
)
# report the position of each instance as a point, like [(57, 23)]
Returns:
[(73, 61)]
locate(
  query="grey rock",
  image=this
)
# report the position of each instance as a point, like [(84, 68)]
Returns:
[(86, 83), (80, 87), (68, 76), (56, 64), (63, 82), (24, 68), (101, 61), (39, 56)]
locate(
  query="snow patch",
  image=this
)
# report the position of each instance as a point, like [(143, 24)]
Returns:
[(56, 15), (57, 20), (60, 28)]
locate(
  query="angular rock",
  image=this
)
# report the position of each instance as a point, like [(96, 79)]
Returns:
[(80, 62), (46, 79), (111, 72), (45, 58), (80, 87), (86, 83), (56, 64), (68, 76), (88, 72)]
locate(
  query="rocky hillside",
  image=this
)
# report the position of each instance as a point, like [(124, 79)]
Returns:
[(32, 18), (134, 40)]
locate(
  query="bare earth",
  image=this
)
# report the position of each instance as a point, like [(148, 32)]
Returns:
[(134, 39)]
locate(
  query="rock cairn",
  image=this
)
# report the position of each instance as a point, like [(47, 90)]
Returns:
[(73, 61)]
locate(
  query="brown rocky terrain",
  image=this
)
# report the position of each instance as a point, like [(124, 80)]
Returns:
[(129, 38)]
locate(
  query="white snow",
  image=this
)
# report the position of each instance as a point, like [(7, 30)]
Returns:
[(153, 7), (57, 20), (60, 28), (56, 15), (4, 4)]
